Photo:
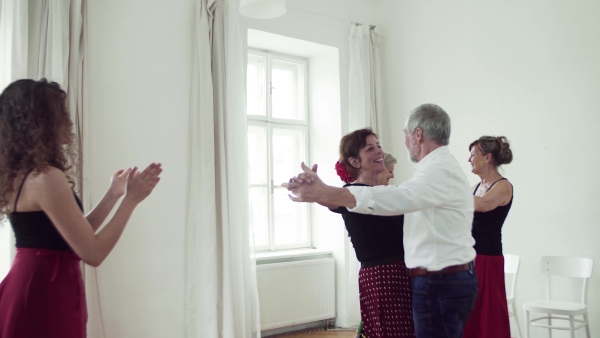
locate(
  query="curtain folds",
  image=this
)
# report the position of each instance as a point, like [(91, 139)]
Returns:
[(49, 46), (201, 283), (75, 97), (14, 32), (363, 79), (221, 294), (364, 111)]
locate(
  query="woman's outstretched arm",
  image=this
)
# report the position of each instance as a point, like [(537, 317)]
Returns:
[(55, 198)]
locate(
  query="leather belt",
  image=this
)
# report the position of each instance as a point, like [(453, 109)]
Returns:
[(414, 272)]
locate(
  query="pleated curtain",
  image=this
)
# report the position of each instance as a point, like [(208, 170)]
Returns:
[(363, 111), (221, 297)]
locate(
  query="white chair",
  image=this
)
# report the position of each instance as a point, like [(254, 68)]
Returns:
[(511, 269), (560, 310)]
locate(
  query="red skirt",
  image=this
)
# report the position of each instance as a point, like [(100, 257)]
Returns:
[(43, 296), (386, 301), (489, 318)]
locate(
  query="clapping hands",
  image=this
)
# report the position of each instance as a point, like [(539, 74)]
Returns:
[(118, 182), (141, 184)]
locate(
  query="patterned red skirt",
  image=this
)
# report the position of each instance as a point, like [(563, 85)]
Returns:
[(489, 318), (385, 301), (43, 296)]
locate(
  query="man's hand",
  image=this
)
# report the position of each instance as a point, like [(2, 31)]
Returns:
[(307, 186)]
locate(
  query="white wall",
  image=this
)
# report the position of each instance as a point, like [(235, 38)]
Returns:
[(137, 82), (528, 70)]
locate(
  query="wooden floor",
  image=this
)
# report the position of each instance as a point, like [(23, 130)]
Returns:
[(320, 333)]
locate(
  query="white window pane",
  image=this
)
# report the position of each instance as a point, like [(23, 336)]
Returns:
[(288, 152), (287, 91), (257, 154), (259, 216), (256, 85), (275, 92), (290, 220)]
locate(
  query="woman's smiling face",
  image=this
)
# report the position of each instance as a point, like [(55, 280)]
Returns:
[(477, 159), (371, 156)]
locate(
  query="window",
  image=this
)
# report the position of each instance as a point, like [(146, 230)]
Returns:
[(277, 143)]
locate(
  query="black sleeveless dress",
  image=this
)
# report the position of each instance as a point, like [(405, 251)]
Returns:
[(43, 294), (487, 228), (489, 318)]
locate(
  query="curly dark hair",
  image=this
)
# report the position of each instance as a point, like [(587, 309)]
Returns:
[(35, 132)]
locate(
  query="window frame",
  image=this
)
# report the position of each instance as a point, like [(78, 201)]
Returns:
[(271, 123)]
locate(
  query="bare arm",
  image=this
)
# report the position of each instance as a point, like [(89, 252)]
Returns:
[(55, 198), (116, 190), (499, 195)]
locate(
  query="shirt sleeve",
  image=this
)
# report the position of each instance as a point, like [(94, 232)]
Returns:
[(425, 189)]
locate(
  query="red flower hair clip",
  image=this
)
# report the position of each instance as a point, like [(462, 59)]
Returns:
[(343, 173)]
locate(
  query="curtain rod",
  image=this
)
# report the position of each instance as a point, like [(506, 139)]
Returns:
[(332, 17)]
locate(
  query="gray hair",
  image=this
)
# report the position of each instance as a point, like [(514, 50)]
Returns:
[(389, 159), (434, 122)]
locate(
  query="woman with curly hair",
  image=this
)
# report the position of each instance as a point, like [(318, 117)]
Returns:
[(43, 294), (383, 282)]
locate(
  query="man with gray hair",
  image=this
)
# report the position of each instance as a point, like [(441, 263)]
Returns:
[(438, 207)]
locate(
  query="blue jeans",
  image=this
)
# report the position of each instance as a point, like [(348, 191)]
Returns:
[(442, 303)]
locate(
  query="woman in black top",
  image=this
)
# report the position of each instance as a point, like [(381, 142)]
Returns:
[(384, 285), (493, 199), (43, 293)]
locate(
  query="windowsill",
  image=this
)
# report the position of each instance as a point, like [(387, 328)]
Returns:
[(269, 257)]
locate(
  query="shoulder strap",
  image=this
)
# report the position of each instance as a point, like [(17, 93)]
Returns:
[(503, 178), (477, 187), (21, 187)]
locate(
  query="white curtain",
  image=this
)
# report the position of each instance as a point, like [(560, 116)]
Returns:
[(14, 30), (220, 288), (75, 97), (45, 39), (363, 80), (364, 111), (35, 40), (22, 34)]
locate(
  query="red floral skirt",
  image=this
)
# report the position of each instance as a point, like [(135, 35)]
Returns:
[(489, 318), (43, 296), (386, 301)]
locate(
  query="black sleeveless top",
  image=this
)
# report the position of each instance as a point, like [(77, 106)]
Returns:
[(487, 228), (376, 239), (33, 229)]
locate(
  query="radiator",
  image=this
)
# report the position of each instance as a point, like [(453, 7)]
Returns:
[(297, 292)]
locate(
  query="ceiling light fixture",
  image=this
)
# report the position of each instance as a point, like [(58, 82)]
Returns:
[(262, 9)]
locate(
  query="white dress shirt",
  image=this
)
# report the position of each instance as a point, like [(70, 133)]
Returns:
[(438, 207)]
